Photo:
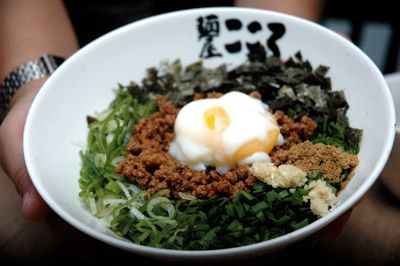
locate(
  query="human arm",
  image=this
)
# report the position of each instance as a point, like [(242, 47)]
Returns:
[(308, 9), (28, 29)]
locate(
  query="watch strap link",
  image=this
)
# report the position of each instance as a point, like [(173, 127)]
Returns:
[(31, 70)]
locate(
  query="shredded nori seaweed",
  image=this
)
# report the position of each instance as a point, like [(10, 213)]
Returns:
[(292, 86)]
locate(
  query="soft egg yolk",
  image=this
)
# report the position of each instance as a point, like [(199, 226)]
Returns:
[(216, 119), (257, 145)]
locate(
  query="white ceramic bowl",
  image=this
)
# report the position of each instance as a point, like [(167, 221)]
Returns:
[(82, 85), (390, 174)]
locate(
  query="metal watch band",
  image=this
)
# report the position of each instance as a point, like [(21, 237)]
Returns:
[(31, 70)]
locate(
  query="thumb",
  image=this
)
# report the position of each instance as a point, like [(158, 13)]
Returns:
[(33, 206), (12, 158)]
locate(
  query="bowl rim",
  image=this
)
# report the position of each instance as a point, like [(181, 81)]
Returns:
[(216, 253), (391, 79)]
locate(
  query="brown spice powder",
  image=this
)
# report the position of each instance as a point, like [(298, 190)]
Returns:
[(317, 158)]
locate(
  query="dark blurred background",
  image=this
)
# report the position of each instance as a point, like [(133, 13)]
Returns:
[(374, 26)]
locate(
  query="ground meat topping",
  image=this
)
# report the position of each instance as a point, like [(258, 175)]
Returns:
[(155, 132), (149, 164), (294, 131), (317, 158)]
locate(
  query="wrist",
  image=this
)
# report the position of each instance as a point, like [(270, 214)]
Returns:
[(27, 91), (29, 71), (24, 96)]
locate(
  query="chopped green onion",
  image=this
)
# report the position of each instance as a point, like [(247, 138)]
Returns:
[(235, 226), (259, 207), (113, 186), (247, 195), (272, 196), (283, 194), (100, 160), (230, 209), (300, 224), (239, 209)]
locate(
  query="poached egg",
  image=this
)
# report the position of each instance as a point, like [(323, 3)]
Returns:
[(223, 132)]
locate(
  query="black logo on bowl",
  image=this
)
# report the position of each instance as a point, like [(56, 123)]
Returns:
[(209, 29)]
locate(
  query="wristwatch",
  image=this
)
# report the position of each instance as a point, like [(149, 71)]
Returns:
[(31, 70)]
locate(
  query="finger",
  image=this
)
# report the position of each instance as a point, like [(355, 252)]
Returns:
[(11, 134), (12, 158), (33, 206)]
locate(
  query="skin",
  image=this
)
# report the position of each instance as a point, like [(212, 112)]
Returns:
[(28, 29), (11, 154), (308, 9)]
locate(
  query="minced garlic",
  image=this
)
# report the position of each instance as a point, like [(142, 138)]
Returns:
[(321, 197), (284, 176)]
